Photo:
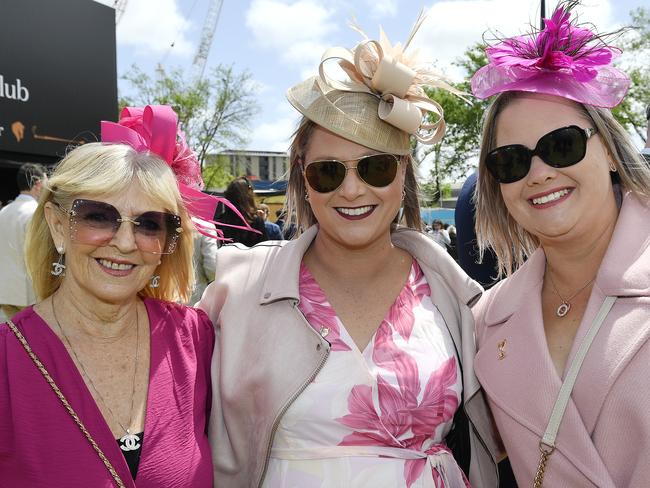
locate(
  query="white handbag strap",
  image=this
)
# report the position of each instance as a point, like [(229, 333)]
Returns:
[(569, 381)]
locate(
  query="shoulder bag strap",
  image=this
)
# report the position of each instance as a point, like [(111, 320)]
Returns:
[(547, 444), (64, 401)]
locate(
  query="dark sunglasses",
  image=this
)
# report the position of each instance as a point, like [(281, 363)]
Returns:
[(376, 170), (96, 223), (559, 148)]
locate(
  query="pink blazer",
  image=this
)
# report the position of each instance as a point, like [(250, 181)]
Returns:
[(604, 438)]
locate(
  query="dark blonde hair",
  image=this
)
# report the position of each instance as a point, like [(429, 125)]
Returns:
[(495, 227), (299, 212), (98, 169)]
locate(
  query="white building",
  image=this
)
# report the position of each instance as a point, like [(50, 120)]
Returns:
[(264, 165)]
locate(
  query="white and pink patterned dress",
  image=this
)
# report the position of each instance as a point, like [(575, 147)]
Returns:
[(376, 418)]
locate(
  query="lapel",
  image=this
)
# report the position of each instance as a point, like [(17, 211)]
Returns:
[(624, 273), (450, 287), (281, 281), (525, 385)]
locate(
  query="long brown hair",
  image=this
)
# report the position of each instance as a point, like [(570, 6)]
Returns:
[(240, 193)]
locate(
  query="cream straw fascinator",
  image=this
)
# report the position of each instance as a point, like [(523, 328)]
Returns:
[(379, 102)]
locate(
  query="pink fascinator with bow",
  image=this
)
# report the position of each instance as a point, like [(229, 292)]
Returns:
[(563, 59), (154, 129)]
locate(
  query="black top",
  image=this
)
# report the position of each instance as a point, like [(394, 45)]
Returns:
[(132, 456)]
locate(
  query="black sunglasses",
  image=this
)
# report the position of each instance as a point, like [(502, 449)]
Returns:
[(96, 223), (559, 148), (376, 170)]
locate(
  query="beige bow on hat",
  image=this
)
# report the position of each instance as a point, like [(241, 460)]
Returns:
[(387, 72)]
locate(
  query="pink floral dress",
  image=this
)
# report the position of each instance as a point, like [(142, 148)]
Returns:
[(377, 417)]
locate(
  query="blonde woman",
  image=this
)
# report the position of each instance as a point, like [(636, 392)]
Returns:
[(344, 356), (563, 341), (110, 252)]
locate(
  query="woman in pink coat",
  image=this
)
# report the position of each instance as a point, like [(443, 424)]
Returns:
[(563, 342)]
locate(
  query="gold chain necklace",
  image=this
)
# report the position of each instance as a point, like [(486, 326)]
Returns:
[(129, 441), (565, 306)]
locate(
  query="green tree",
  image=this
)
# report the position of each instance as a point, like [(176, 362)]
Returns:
[(453, 156), (214, 113), (216, 172), (635, 62)]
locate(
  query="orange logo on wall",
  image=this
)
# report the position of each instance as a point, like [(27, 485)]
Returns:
[(18, 130)]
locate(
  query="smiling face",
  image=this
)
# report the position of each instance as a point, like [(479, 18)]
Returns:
[(356, 214), (117, 271), (555, 203)]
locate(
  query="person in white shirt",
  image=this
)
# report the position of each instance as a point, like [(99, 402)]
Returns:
[(205, 262), (16, 290), (439, 235)]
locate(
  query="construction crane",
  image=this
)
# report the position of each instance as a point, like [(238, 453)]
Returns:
[(209, 26), (120, 7)]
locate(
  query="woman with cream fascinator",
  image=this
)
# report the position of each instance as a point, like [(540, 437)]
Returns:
[(344, 357)]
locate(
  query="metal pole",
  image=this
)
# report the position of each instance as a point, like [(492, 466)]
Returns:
[(542, 14)]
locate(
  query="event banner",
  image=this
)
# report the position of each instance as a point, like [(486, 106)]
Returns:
[(58, 75)]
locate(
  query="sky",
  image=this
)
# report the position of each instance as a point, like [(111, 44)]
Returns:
[(280, 42)]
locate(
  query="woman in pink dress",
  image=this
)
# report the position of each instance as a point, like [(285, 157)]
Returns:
[(343, 357), (105, 381)]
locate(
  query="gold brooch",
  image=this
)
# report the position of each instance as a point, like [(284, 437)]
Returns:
[(501, 349)]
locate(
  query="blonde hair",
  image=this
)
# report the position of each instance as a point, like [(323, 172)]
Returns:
[(101, 170), (298, 210), (495, 227)]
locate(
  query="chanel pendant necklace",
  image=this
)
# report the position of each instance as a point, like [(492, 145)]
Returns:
[(565, 306), (129, 441)]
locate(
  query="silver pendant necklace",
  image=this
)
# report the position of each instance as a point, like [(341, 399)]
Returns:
[(129, 441), (565, 306)]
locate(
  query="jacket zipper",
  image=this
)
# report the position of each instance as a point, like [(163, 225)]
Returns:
[(293, 398)]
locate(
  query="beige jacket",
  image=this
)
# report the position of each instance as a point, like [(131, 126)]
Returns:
[(266, 353)]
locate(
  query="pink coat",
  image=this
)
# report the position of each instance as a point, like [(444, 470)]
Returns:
[(604, 438)]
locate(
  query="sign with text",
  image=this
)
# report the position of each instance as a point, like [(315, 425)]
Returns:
[(58, 75)]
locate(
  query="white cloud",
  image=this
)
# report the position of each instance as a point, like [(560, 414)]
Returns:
[(382, 8), (275, 134), (297, 31), (152, 26)]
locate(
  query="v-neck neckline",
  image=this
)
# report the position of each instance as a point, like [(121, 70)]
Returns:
[(106, 440), (344, 334)]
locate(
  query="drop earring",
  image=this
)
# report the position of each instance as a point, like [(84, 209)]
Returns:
[(58, 268)]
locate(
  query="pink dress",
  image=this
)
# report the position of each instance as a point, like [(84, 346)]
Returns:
[(377, 417)]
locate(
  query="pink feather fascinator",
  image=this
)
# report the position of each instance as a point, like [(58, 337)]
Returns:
[(563, 59)]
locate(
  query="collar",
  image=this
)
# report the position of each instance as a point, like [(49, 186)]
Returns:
[(624, 271), (24, 196), (281, 281)]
